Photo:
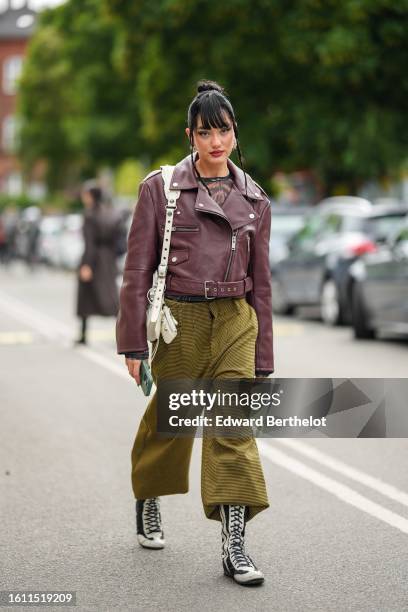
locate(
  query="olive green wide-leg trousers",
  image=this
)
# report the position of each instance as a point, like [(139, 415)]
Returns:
[(215, 340)]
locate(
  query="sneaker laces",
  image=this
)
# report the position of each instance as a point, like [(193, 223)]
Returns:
[(151, 516), (236, 544)]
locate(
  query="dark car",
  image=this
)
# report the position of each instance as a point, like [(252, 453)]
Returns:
[(286, 221), (380, 289), (316, 269)]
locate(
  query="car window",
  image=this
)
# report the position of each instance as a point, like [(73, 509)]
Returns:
[(401, 243), (402, 236), (286, 225), (380, 228), (306, 236), (352, 223), (331, 225)]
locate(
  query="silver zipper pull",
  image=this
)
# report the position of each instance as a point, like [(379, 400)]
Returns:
[(234, 241)]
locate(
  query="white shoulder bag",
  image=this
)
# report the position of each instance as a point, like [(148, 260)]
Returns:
[(159, 318)]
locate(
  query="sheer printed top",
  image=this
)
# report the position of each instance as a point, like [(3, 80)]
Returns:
[(219, 187)]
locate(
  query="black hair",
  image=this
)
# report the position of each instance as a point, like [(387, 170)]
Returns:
[(211, 103), (93, 187)]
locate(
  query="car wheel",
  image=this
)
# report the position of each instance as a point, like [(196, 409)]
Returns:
[(280, 304), (361, 328), (330, 309)]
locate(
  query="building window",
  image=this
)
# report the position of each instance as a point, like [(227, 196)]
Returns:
[(11, 72), (9, 134)]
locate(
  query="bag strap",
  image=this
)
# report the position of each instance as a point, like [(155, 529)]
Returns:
[(172, 196), (167, 173)]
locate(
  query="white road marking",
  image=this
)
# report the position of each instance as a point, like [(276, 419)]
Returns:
[(288, 329), (346, 470), (106, 362), (45, 325), (16, 337), (57, 331), (341, 491), (102, 334)]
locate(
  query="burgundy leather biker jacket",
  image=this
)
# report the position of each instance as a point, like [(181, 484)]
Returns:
[(212, 247)]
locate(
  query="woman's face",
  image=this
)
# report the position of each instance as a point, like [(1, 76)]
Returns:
[(86, 198), (214, 145)]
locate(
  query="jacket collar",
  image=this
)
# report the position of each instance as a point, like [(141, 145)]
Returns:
[(184, 178), (236, 210)]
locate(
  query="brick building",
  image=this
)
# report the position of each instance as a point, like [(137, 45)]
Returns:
[(16, 28)]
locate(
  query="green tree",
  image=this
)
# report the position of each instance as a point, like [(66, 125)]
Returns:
[(316, 84), (78, 109)]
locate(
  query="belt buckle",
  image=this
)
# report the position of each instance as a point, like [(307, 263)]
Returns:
[(207, 289)]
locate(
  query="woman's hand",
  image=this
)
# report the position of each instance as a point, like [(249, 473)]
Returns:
[(133, 366), (85, 273)]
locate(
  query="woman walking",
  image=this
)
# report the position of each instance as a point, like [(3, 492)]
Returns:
[(97, 292), (218, 289)]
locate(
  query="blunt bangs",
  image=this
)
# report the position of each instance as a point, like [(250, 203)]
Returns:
[(212, 108)]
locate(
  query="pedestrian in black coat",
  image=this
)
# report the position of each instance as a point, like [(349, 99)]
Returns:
[(97, 288)]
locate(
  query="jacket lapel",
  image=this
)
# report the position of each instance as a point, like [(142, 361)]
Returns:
[(236, 210), (205, 204)]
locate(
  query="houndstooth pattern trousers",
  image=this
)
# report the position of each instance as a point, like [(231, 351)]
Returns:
[(215, 340)]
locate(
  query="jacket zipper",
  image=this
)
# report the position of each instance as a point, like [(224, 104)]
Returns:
[(232, 253), (183, 228), (233, 243)]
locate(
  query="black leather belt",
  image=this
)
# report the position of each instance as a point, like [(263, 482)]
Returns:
[(209, 288), (187, 298)]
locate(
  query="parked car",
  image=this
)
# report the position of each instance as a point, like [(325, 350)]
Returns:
[(286, 221), (380, 288), (48, 241), (316, 269), (72, 242), (26, 239)]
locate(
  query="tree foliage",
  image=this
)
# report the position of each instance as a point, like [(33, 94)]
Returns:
[(316, 84), (78, 111)]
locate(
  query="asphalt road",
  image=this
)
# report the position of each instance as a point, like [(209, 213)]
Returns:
[(335, 535)]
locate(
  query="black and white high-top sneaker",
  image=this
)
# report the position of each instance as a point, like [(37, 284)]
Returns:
[(148, 522), (237, 564)]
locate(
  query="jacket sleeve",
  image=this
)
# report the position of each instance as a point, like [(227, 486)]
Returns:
[(260, 297), (141, 262)]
